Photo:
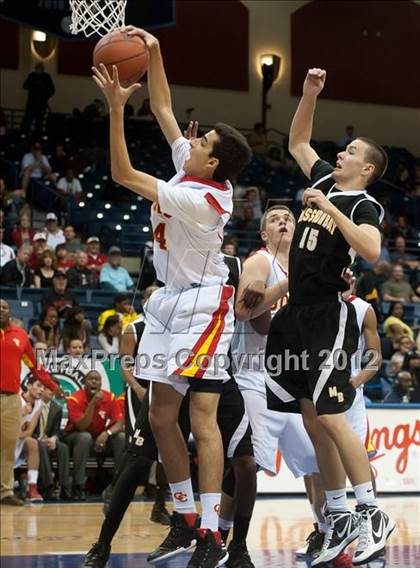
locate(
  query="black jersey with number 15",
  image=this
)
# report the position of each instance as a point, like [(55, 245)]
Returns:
[(319, 253)]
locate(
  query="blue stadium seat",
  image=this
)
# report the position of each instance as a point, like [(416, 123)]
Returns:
[(21, 309), (10, 293), (104, 297)]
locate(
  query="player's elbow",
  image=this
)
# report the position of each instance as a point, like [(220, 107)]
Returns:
[(372, 255)]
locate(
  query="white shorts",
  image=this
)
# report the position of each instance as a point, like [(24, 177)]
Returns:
[(187, 336), (273, 430)]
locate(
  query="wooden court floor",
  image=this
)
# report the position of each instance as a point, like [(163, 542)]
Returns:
[(57, 536)]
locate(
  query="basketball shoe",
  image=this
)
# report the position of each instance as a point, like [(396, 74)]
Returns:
[(97, 557), (239, 555), (376, 526), (32, 494), (314, 543), (181, 537), (210, 551), (343, 529)]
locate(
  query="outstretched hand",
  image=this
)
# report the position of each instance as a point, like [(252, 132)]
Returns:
[(192, 130), (150, 40), (115, 94), (314, 81)]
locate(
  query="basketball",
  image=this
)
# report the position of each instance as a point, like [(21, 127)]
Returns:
[(128, 53)]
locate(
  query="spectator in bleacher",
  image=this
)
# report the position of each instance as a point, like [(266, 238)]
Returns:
[(35, 166), (95, 109), (113, 275), (40, 89), (43, 277), (27, 447), (364, 265), (80, 276), (145, 111), (50, 446), (69, 187), (75, 348), (96, 259), (54, 234), (14, 348), (245, 220), (394, 325), (11, 200), (252, 196), (397, 289), (76, 326), (258, 139), (39, 246), (229, 248), (16, 272), (348, 137), (6, 253), (63, 261), (73, 243), (122, 308), (23, 234), (59, 296), (95, 423), (59, 160), (401, 256), (404, 345), (401, 388), (47, 330), (110, 336), (403, 229)]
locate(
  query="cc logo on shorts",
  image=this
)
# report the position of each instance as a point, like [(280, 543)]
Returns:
[(217, 508)]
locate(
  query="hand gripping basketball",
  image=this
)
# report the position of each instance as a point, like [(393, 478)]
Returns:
[(115, 94)]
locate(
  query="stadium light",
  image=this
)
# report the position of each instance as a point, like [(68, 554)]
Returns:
[(89, 195), (97, 186), (107, 206), (133, 208), (145, 229), (81, 203), (100, 215), (270, 69), (126, 217), (118, 227)]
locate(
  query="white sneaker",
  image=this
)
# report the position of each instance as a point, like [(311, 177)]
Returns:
[(343, 529), (376, 526)]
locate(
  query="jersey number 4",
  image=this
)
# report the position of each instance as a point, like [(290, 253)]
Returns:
[(159, 236), (309, 239)]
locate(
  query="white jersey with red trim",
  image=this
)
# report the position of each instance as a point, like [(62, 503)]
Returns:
[(188, 226), (248, 346), (361, 308)]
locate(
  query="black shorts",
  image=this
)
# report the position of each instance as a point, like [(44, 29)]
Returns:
[(308, 355), (233, 422)]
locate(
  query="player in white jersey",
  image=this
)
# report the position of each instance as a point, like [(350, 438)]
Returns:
[(190, 320), (270, 430)]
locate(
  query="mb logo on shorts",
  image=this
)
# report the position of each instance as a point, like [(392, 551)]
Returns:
[(333, 392)]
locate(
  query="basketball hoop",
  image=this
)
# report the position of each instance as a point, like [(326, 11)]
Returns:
[(96, 16)]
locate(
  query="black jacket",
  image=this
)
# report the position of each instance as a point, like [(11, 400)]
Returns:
[(10, 275)]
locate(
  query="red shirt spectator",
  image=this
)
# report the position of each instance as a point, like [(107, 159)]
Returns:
[(63, 261), (39, 243), (15, 348), (121, 403), (107, 411), (23, 234), (95, 258)]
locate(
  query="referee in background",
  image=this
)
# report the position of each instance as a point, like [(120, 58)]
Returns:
[(14, 348)]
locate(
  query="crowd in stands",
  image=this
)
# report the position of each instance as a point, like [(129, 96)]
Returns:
[(83, 296)]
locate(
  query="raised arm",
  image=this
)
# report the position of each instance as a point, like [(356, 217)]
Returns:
[(160, 95), (301, 128)]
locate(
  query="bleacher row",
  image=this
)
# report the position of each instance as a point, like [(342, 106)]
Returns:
[(25, 304)]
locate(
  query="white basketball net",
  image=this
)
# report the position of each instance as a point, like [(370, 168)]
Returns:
[(96, 16)]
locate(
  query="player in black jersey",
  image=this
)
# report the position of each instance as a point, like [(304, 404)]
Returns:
[(339, 219)]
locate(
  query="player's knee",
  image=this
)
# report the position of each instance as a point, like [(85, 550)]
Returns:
[(244, 466), (31, 444)]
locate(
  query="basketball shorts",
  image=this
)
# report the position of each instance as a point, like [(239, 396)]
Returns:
[(187, 336), (278, 430), (308, 355), (231, 417), (233, 422), (357, 417)]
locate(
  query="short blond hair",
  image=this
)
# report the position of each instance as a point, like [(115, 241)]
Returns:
[(273, 208)]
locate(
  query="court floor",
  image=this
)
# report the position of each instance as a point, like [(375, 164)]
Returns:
[(57, 536)]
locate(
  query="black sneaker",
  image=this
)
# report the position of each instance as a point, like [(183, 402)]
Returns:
[(97, 557), (343, 529), (210, 551), (160, 514), (313, 545), (239, 555), (376, 526), (181, 537)]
